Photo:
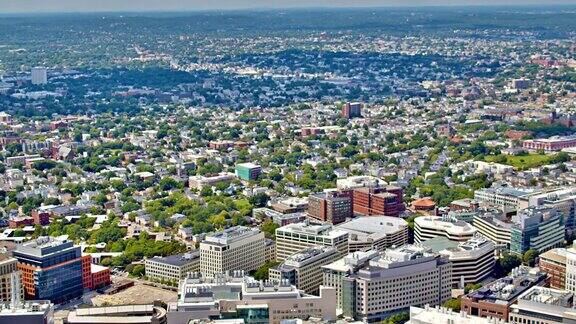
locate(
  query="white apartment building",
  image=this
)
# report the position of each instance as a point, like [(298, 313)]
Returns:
[(375, 233), (172, 268), (427, 227), (293, 238), (235, 248), (399, 278), (472, 261), (304, 269)]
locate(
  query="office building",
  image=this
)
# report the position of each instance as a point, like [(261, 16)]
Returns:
[(303, 269), (200, 182), (293, 238), (137, 314), (543, 306), (537, 228), (504, 197), (494, 226), (233, 295), (290, 205), (10, 279), (351, 110), (435, 315), (172, 268), (335, 272), (29, 312), (563, 200), (388, 201), (375, 233), (397, 279), (472, 261), (554, 143), (427, 227), (494, 300), (248, 171), (51, 269), (553, 262), (234, 248), (39, 76), (330, 207), (359, 182)]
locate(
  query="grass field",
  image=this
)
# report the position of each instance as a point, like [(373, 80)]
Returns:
[(522, 162)]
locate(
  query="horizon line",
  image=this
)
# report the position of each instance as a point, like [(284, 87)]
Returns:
[(281, 8)]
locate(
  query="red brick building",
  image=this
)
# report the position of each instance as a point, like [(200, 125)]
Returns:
[(332, 207), (553, 262), (378, 201)]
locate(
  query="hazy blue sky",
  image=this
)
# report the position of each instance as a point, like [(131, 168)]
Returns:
[(8, 6)]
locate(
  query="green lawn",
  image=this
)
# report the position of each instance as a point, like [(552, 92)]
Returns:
[(522, 162)]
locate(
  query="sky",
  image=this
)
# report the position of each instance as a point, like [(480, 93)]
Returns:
[(22, 6)]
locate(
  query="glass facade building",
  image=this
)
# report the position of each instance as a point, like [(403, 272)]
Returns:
[(51, 269)]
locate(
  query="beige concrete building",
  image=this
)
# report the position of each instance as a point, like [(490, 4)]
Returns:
[(242, 297), (304, 269), (427, 227), (174, 267), (407, 276), (235, 248), (293, 238), (375, 233), (8, 274)]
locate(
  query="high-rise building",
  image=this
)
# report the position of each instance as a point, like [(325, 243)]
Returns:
[(39, 76), (397, 279), (502, 196), (10, 279), (537, 228), (388, 201), (248, 171), (303, 269), (335, 272), (427, 227), (293, 238), (375, 233), (331, 207), (563, 200), (51, 269), (235, 248), (351, 110)]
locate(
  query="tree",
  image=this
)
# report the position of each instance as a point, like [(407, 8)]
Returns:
[(506, 263), (262, 272), (529, 257), (471, 287), (269, 228), (453, 304), (137, 270), (398, 318), (44, 165)]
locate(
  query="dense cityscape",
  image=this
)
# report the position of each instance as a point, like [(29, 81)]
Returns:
[(368, 165)]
